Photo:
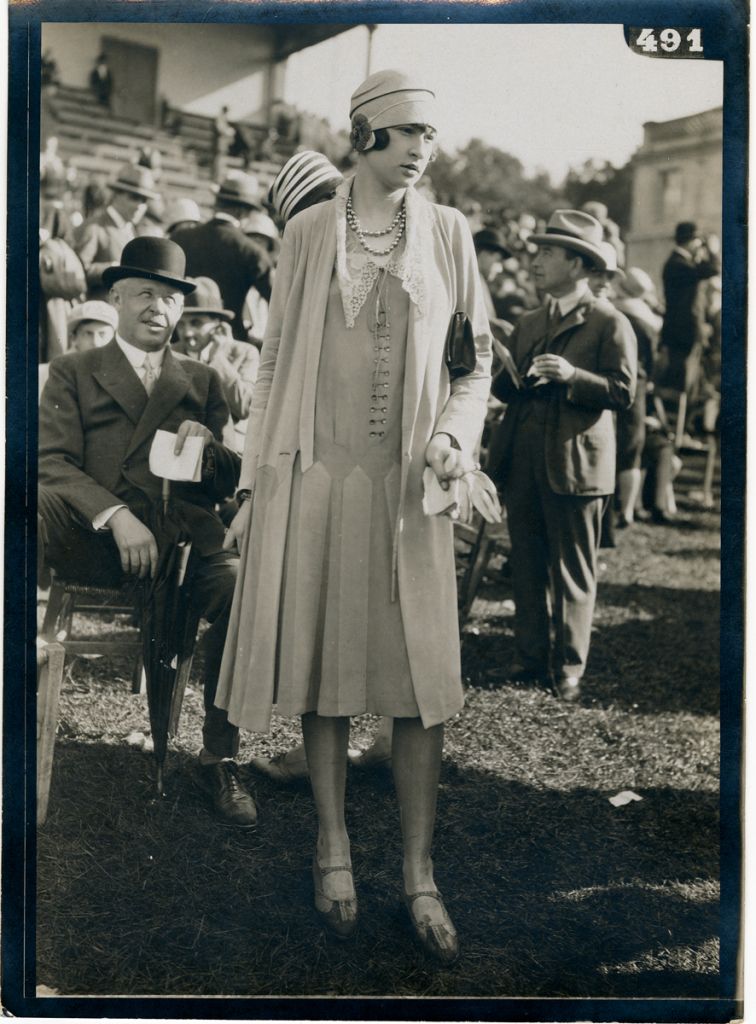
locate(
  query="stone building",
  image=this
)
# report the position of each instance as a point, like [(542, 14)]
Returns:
[(677, 176)]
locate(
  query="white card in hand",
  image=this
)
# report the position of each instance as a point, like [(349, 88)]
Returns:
[(186, 466), (437, 501)]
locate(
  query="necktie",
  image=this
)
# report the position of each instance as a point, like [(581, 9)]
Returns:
[(150, 374)]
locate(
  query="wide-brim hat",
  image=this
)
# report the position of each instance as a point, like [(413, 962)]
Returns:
[(135, 179), (490, 238), (577, 231), (207, 299), (391, 97), (101, 312), (157, 259), (242, 189)]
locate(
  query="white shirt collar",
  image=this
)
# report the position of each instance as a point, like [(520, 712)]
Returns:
[(566, 303), (136, 355), (115, 216), (684, 252)]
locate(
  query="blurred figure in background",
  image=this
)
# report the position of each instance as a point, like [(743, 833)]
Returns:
[(180, 214), (611, 230), (685, 329), (101, 80), (90, 325), (104, 234), (219, 249)]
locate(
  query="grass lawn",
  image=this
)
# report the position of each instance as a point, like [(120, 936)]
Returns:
[(554, 891)]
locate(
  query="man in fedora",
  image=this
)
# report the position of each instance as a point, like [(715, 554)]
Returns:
[(204, 333), (685, 330), (98, 416), (103, 236), (219, 249), (572, 364)]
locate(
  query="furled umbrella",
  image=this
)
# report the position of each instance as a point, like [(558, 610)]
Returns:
[(169, 624)]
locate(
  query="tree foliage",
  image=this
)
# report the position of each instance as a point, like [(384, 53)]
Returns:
[(493, 178), (602, 181)]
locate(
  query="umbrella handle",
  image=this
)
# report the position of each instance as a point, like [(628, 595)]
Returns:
[(166, 494)]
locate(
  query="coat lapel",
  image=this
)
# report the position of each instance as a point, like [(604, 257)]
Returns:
[(171, 386), (117, 376), (562, 334), (536, 341)]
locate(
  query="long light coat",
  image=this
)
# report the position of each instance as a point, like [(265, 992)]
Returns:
[(282, 423)]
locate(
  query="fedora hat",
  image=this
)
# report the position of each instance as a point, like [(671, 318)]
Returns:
[(242, 189), (207, 299), (490, 238), (157, 259), (181, 209), (610, 259), (136, 180), (577, 231)]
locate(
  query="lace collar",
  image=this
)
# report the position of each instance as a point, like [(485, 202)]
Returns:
[(357, 271)]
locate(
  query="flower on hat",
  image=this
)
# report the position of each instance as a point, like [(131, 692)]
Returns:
[(361, 135)]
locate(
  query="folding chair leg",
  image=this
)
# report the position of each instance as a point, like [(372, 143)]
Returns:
[(476, 567), (682, 412), (52, 612), (48, 695), (708, 480)]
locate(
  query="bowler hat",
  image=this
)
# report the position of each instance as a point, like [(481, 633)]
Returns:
[(576, 231), (685, 231), (207, 299), (241, 189), (136, 180), (490, 238), (157, 259)]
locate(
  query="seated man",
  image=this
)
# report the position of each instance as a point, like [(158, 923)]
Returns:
[(98, 416), (204, 333)]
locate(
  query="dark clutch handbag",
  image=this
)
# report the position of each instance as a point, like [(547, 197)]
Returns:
[(460, 346)]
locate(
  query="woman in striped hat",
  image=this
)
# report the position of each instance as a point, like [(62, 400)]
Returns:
[(346, 596), (307, 178)]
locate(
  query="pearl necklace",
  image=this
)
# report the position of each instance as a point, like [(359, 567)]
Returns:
[(400, 219)]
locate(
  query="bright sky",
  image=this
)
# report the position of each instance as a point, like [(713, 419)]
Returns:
[(552, 95)]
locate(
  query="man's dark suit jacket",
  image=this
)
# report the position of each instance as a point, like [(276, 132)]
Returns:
[(100, 244), (685, 315), (223, 252), (580, 438), (96, 425)]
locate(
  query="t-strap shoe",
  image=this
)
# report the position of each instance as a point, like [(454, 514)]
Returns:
[(338, 914), (435, 933)]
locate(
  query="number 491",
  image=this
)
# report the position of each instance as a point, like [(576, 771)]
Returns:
[(669, 40)]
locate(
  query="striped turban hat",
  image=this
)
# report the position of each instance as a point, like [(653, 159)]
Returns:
[(306, 175)]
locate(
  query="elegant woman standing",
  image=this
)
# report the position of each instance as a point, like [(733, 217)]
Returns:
[(346, 597)]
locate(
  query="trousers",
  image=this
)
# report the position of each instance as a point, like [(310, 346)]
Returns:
[(555, 540), (81, 555)]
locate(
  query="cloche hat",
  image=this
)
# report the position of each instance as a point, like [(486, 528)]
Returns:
[(181, 209), (389, 98), (306, 175), (102, 312), (577, 231), (157, 259)]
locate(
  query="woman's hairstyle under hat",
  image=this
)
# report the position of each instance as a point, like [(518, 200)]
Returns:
[(301, 178)]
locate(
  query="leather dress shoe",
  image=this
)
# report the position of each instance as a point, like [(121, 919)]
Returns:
[(339, 915), (278, 769), (567, 688), (660, 517), (373, 757), (231, 801), (439, 940)]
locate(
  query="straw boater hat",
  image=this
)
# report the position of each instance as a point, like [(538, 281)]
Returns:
[(102, 312), (207, 299), (576, 231), (389, 98), (306, 175), (157, 259), (136, 180)]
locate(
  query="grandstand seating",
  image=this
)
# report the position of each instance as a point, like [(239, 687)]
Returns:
[(96, 143)]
